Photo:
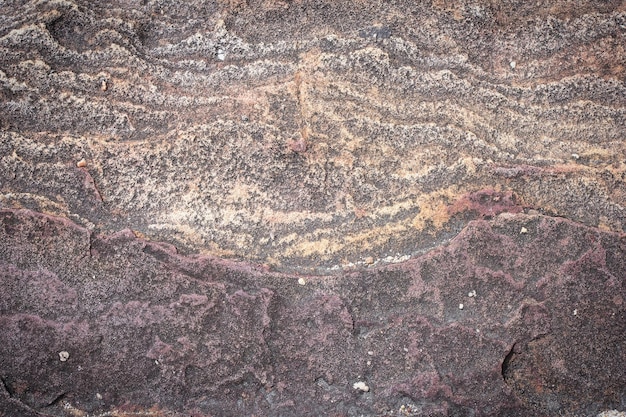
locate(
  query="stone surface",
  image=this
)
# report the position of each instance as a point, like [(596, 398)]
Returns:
[(541, 331), (310, 134), (246, 208)]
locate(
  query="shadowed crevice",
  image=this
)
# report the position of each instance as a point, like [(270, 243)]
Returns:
[(506, 363)]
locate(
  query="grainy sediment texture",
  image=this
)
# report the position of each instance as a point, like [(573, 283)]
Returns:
[(309, 135), (396, 156)]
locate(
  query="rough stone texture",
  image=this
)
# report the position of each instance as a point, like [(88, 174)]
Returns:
[(310, 134), (541, 331), (245, 208)]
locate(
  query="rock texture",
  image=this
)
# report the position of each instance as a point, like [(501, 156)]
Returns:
[(310, 135), (294, 208), (496, 323)]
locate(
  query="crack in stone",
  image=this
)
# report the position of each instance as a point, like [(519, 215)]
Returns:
[(5, 385), (506, 363), (56, 400)]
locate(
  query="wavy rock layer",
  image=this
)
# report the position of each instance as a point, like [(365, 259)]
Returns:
[(497, 323), (290, 155), (311, 135)]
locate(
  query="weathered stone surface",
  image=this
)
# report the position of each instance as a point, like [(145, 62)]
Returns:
[(310, 135), (246, 208), (540, 330)]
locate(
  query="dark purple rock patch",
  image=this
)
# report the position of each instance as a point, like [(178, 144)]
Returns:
[(523, 315)]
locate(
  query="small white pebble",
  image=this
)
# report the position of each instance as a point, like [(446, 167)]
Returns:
[(369, 352), (301, 281), (513, 64), (98, 395), (221, 55), (369, 260), (63, 356), (369, 363), (103, 85), (361, 386), (82, 163), (523, 230), (575, 311), (472, 293), (405, 349), (575, 156), (461, 306)]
